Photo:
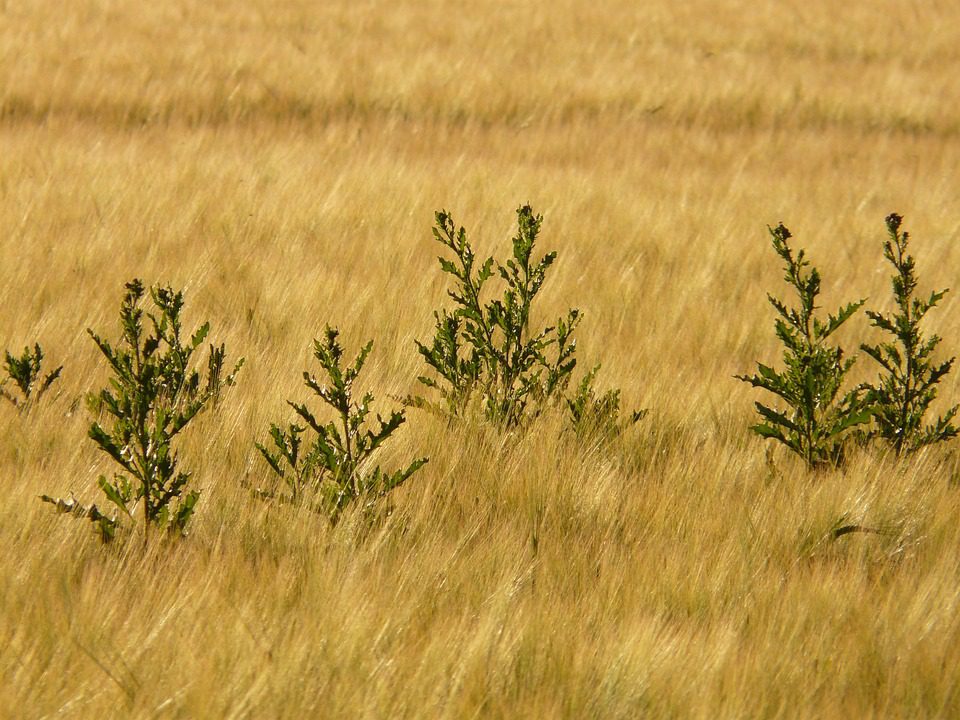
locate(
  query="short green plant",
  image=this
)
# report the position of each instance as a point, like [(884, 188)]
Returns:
[(333, 470), (295, 465), (594, 414), (908, 384), (155, 392), (487, 348), (26, 374), (818, 417)]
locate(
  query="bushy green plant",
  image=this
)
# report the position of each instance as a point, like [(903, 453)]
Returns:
[(333, 470), (908, 384), (155, 392), (26, 372), (818, 416), (487, 348)]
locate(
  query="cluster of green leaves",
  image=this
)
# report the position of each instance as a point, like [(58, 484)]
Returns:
[(486, 348), (26, 372), (155, 392), (908, 384), (333, 470), (598, 415), (819, 416)]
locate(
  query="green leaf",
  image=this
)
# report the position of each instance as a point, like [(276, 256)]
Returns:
[(776, 418), (114, 494)]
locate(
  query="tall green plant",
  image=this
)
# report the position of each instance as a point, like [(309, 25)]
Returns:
[(155, 392), (818, 416), (26, 372), (334, 470), (487, 348), (908, 384)]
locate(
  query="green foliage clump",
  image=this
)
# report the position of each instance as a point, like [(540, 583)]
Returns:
[(333, 470), (818, 418), (26, 373), (155, 392), (594, 414), (487, 349), (904, 391)]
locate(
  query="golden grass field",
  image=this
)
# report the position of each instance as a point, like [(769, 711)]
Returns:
[(282, 162)]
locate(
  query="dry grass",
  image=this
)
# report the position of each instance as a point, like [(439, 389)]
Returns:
[(283, 160)]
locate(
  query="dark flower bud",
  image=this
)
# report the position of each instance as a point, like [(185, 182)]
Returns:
[(781, 232)]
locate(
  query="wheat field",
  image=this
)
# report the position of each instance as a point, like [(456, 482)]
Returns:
[(282, 162)]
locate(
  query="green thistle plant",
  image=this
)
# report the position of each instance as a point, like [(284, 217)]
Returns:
[(598, 415), (26, 373), (333, 471), (818, 418), (153, 395), (908, 385), (487, 349)]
